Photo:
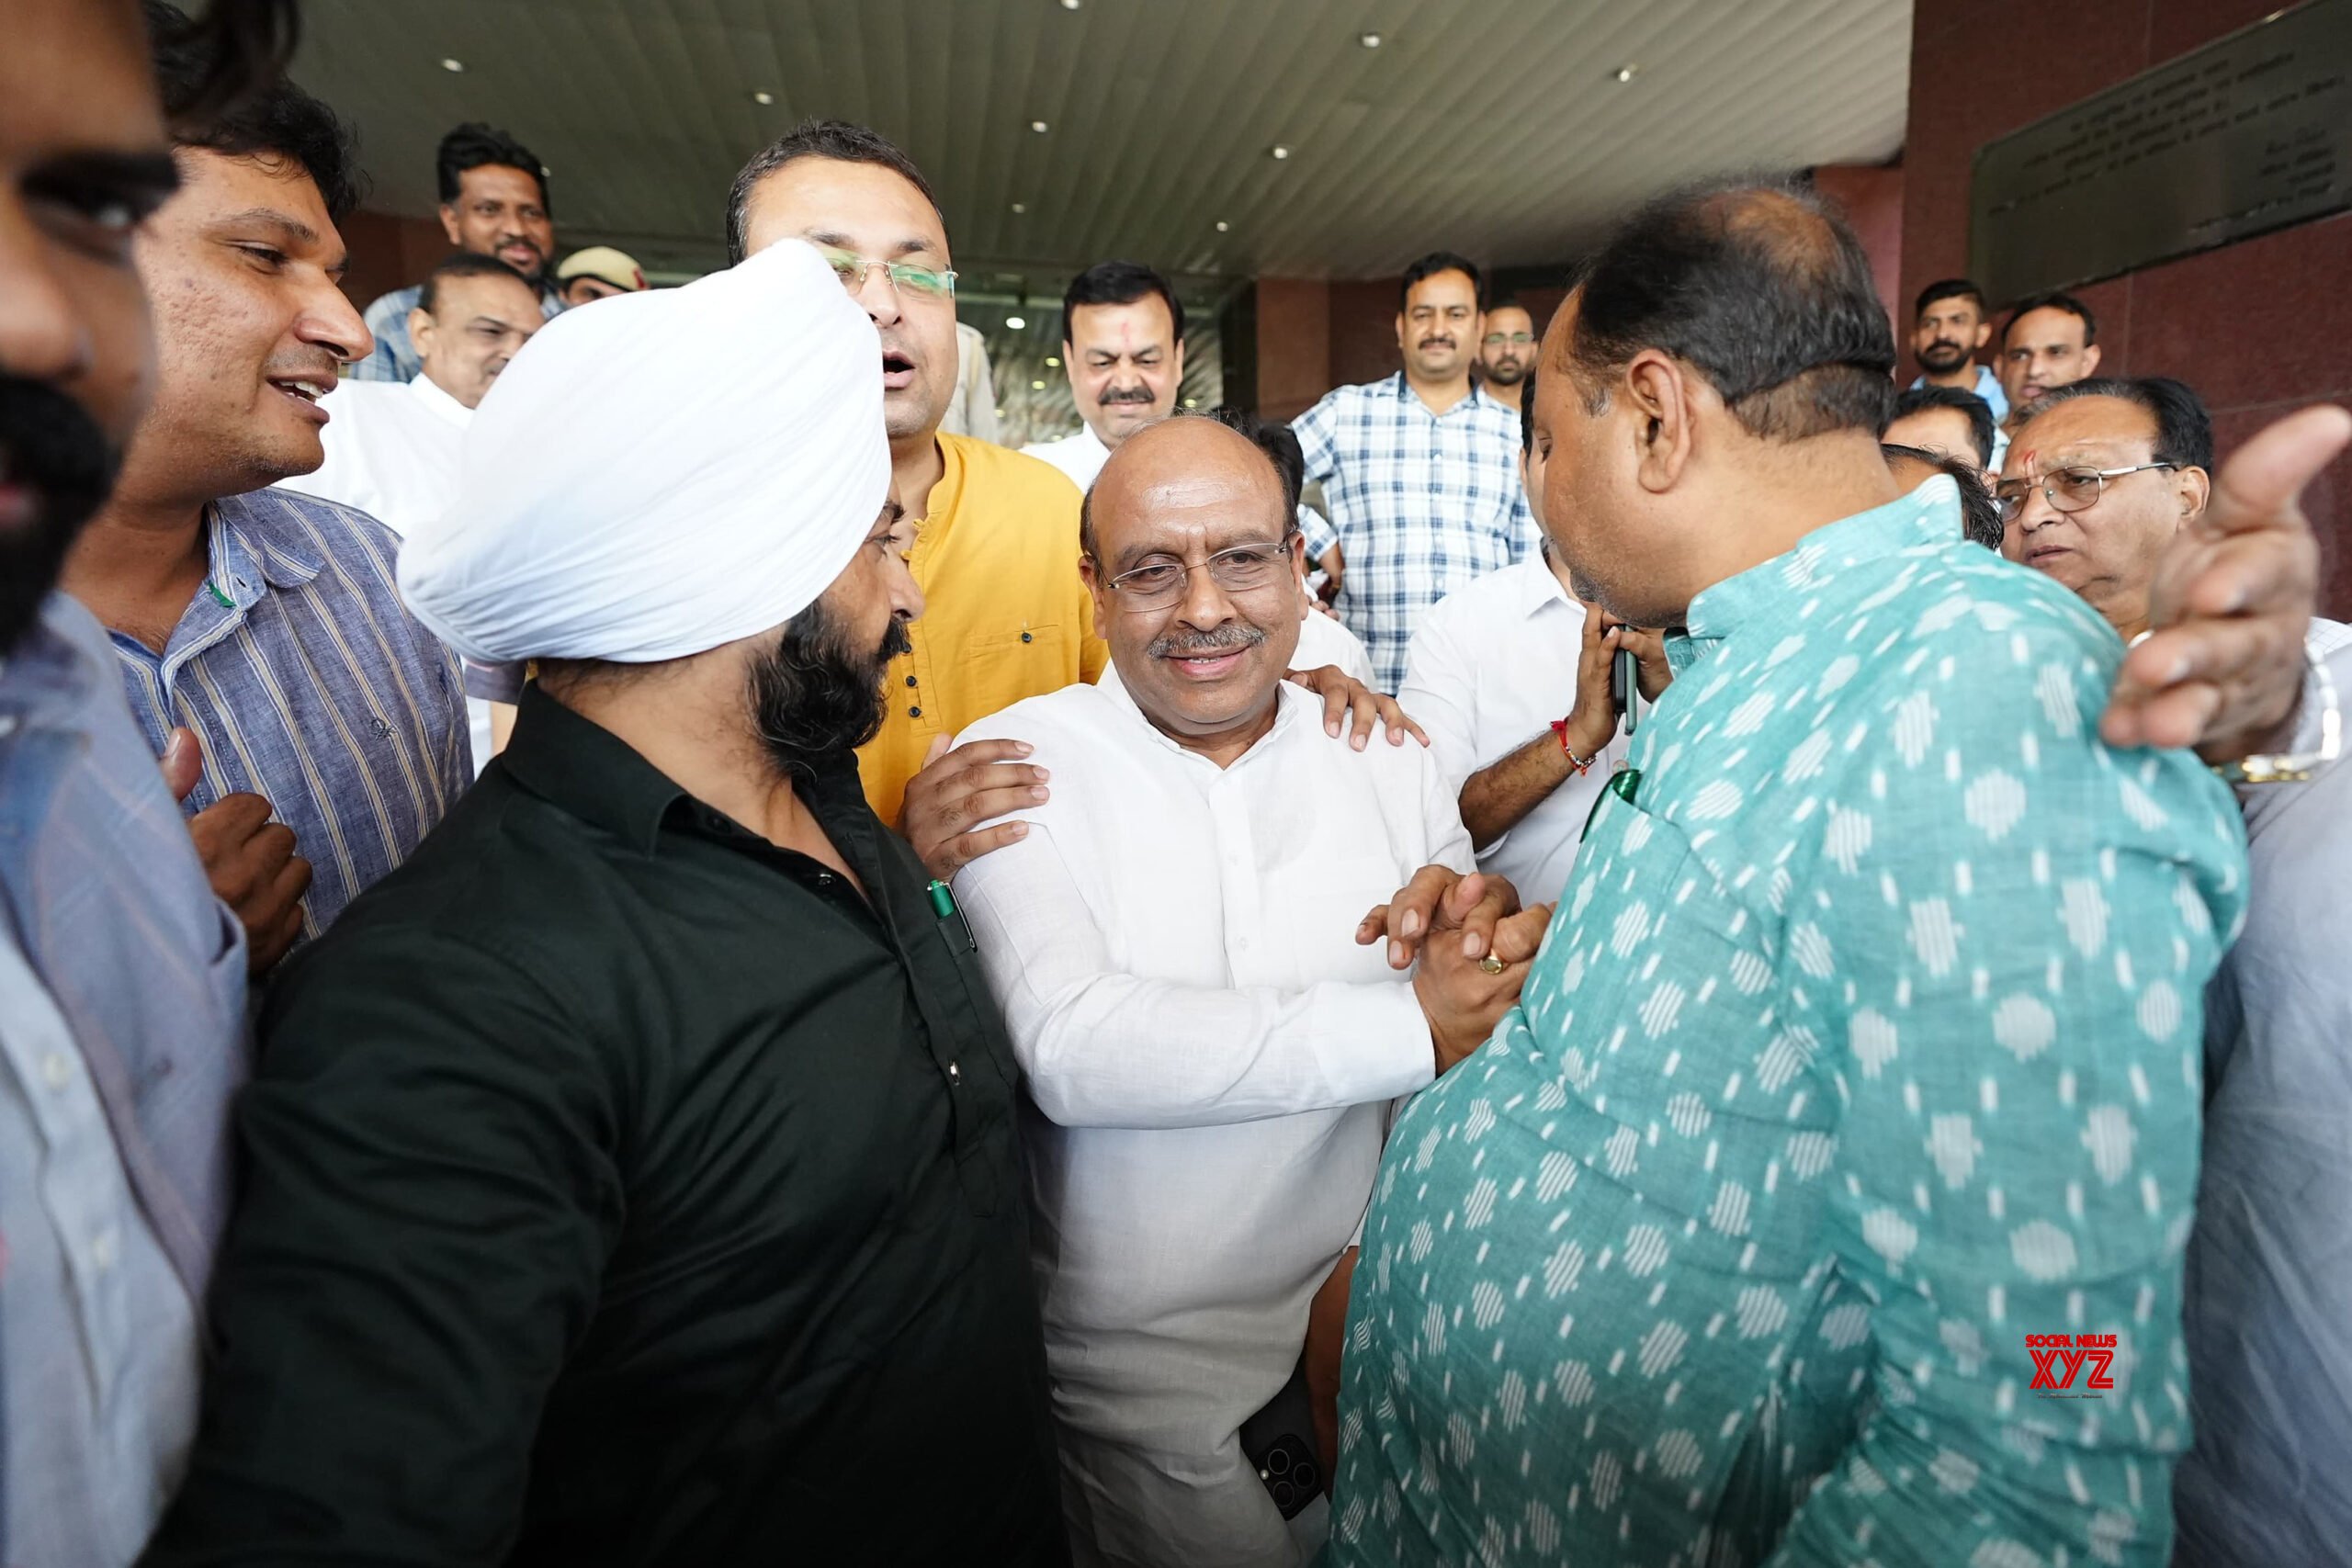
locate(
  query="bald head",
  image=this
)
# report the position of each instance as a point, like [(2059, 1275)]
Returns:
[(1193, 557)]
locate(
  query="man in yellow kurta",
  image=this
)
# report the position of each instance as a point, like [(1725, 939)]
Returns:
[(995, 552)]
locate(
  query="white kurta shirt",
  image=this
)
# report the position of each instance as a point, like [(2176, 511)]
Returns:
[(1080, 456), (1492, 665), (1209, 1054), (391, 451)]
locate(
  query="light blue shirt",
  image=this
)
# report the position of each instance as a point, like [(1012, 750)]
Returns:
[(1864, 1046), (123, 993), (1988, 386)]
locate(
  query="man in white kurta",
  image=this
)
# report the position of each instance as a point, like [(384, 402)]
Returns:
[(1209, 1053)]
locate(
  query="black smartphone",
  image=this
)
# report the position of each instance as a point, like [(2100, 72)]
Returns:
[(1280, 1441), (1626, 686)]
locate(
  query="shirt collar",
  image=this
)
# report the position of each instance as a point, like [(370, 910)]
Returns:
[(440, 404), (1769, 593), (1285, 718), (246, 551), (1540, 585), (1403, 392)]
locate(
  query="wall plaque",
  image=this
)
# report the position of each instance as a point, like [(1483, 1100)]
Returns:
[(2250, 133)]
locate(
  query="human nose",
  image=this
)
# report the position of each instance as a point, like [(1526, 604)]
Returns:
[(42, 337), (877, 294), (1204, 604), (329, 319)]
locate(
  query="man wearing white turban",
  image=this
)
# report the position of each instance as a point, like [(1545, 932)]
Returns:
[(631, 1177)]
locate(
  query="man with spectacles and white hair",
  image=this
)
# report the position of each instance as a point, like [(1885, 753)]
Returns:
[(2104, 478), (1208, 1035)]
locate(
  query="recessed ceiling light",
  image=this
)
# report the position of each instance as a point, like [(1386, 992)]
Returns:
[(1038, 126), (1222, 226), (1053, 361), (1036, 386), (1015, 323), (452, 65), (1073, 5), (1369, 40), (1281, 152), (1192, 402), (763, 97), (1625, 73)]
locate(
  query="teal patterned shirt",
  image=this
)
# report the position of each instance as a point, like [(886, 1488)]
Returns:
[(1864, 1046)]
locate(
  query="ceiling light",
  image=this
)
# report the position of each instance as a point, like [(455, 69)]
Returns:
[(1038, 126), (1020, 207), (1279, 154), (1369, 40), (1015, 323), (1073, 5), (1625, 73), (1036, 386), (763, 97), (1222, 226), (1192, 402), (452, 65), (1053, 361)]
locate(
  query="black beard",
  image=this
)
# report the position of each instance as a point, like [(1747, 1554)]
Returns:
[(815, 695), (1943, 357), (1506, 375), (50, 445)]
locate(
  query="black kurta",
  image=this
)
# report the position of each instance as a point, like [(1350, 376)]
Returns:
[(622, 1188)]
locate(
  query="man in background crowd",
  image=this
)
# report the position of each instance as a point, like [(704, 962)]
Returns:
[(2050, 341), (1507, 354), (1957, 424), (1321, 638), (1123, 348), (265, 623), (495, 203), (2105, 479), (1950, 326), (391, 449), (1209, 1049), (1509, 676), (599, 272), (1420, 471)]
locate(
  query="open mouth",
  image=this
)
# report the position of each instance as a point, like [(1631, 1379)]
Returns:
[(305, 392), (1207, 666), (898, 370)]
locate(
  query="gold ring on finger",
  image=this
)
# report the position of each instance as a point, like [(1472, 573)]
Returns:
[(1492, 963)]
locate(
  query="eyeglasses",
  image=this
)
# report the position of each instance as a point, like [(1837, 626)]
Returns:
[(854, 269), (1244, 568), (2068, 490), (1517, 340)]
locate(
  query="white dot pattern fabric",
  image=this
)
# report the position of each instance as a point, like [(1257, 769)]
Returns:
[(1864, 1044)]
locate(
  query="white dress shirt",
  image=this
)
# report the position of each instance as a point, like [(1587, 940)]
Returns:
[(391, 451), (101, 1393), (1492, 665), (1209, 1055), (1080, 456)]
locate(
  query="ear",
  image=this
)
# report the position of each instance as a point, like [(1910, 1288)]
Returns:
[(449, 223), (1099, 586), (1400, 332), (1660, 401), (1175, 360), (2195, 488), (2090, 360), (420, 332), (1983, 336)]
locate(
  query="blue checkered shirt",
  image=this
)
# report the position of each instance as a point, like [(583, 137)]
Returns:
[(1420, 503), (308, 683), (394, 356)]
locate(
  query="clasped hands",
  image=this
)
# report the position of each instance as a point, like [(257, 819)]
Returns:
[(1473, 942)]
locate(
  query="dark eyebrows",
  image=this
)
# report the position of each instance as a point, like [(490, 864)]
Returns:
[(841, 242), (147, 179), (293, 228)]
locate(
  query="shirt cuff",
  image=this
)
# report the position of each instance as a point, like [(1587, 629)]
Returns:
[(1375, 1042)]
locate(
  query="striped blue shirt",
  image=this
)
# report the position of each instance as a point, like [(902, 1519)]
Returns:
[(1421, 503), (309, 685)]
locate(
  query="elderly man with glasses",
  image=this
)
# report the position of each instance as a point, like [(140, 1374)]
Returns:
[(2104, 478), (1209, 1037)]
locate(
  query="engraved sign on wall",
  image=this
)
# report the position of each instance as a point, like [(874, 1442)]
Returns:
[(2250, 133)]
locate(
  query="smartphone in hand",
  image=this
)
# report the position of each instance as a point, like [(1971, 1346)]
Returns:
[(1626, 686)]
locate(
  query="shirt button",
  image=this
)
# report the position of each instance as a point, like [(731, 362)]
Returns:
[(7, 724), (102, 1250), (914, 713), (824, 879), (955, 1074), (55, 1071), (1027, 638), (910, 680)]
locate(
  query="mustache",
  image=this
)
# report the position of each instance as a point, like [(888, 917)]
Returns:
[(1125, 395), (49, 445), (1223, 640), (1440, 340)]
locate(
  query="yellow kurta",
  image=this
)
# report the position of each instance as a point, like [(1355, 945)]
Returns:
[(1005, 616)]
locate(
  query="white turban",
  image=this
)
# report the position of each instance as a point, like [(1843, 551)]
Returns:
[(659, 473)]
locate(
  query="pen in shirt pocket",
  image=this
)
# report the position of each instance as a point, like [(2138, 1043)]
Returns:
[(951, 918)]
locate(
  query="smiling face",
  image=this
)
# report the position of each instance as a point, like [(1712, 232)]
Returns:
[(878, 214), (2108, 552), (83, 160), (1438, 330), (241, 267), (477, 325), (501, 211), (1205, 666), (1125, 365)]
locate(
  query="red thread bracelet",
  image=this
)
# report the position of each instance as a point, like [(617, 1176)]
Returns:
[(1560, 733)]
